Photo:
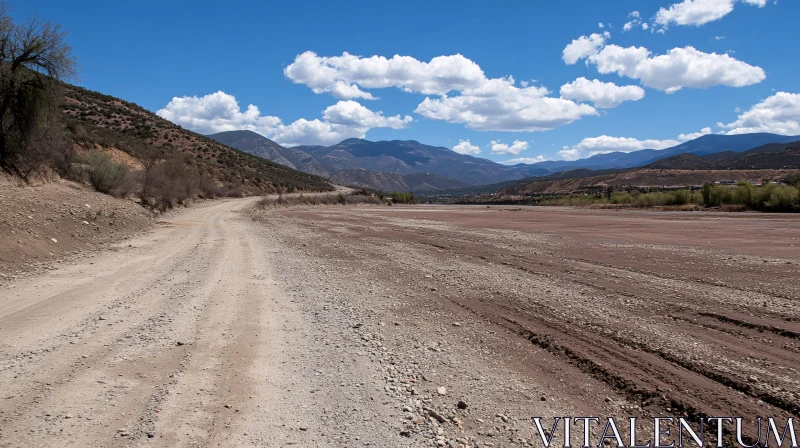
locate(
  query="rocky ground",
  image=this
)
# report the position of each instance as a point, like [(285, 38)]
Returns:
[(400, 327), (56, 221)]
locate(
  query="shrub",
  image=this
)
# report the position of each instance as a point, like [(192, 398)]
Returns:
[(109, 176), (403, 198), (782, 199)]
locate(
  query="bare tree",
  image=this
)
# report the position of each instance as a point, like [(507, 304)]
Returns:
[(33, 57)]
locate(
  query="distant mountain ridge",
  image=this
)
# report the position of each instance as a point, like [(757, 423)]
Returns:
[(705, 145), (387, 165)]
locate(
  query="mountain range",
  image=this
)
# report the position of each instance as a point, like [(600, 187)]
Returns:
[(412, 166), (386, 165)]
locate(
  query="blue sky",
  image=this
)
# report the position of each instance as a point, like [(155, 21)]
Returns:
[(729, 62)]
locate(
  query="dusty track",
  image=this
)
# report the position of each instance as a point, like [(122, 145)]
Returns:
[(336, 326), (178, 338)]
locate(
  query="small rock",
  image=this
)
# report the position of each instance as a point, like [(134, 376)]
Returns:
[(461, 405), (441, 391), (54, 240)]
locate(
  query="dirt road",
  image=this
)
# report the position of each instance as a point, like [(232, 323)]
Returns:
[(400, 326), (178, 338)]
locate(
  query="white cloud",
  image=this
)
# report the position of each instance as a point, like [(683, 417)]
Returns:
[(778, 114), (480, 103), (499, 105), (718, 37), (679, 68), (605, 144), (645, 26), (218, 112), (215, 112), (602, 94), (600, 25), (465, 147), (694, 135), (503, 148), (352, 114), (584, 47), (526, 160), (698, 12), (636, 20), (349, 91), (441, 75)]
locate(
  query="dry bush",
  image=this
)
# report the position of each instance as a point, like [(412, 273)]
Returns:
[(109, 176)]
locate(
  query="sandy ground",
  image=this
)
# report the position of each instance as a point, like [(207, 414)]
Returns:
[(400, 326)]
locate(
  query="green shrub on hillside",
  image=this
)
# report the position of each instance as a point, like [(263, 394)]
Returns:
[(403, 198)]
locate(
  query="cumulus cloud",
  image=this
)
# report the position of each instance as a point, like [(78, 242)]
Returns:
[(352, 114), (526, 160), (465, 147), (464, 94), (605, 144), (636, 20), (215, 112), (694, 135), (678, 68), (218, 112), (499, 105), (698, 12), (778, 114), (602, 94), (441, 75), (502, 148), (584, 47)]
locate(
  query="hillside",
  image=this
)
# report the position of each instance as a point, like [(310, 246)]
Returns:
[(258, 145), (97, 120), (772, 156), (414, 182), (682, 162), (646, 177)]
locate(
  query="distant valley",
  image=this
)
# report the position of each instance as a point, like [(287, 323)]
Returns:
[(412, 166)]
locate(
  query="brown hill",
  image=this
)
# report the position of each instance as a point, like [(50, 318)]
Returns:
[(682, 162), (94, 119), (788, 158), (767, 157), (414, 182)]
